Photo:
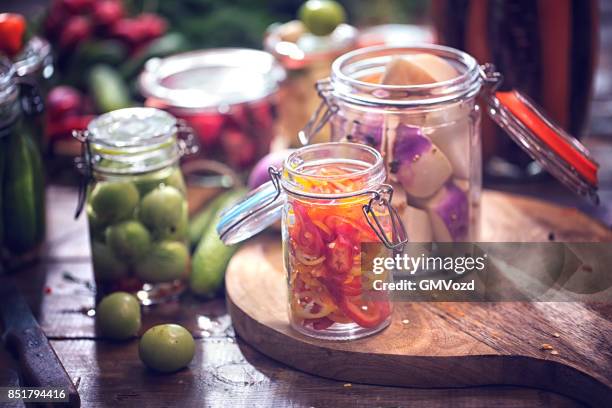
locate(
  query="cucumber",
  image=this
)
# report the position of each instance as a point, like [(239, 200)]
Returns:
[(210, 261), (109, 90), (200, 221), (110, 52), (23, 194)]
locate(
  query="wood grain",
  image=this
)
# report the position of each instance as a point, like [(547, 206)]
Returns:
[(444, 344), (226, 371), (229, 373)]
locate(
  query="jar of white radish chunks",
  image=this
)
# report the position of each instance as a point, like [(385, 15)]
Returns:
[(418, 106), (427, 129)]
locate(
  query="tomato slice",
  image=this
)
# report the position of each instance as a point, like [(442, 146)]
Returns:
[(366, 314)]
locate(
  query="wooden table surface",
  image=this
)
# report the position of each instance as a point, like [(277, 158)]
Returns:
[(225, 371)]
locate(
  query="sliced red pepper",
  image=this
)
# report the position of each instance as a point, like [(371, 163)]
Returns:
[(339, 255), (366, 314), (306, 234)]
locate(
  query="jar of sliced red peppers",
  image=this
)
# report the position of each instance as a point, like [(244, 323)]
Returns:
[(333, 201)]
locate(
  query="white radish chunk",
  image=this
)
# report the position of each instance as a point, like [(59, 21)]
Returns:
[(416, 163), (417, 69), (416, 221), (454, 141)]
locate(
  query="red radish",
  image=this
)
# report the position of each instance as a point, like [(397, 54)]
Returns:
[(107, 12), (154, 25), (77, 6), (63, 101), (77, 29), (130, 30), (207, 127), (238, 148), (55, 19), (62, 128)]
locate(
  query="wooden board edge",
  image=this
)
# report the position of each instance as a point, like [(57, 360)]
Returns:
[(418, 371)]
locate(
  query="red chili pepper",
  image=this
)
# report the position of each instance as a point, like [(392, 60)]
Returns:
[(306, 234), (339, 254), (366, 314), (12, 29)]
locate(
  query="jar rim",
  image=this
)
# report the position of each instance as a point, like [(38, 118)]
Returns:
[(466, 84), (374, 167), (125, 141), (249, 75), (145, 138)]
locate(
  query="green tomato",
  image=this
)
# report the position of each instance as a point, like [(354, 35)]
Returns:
[(321, 17), (176, 180), (114, 201), (164, 212), (118, 316), (96, 226), (165, 262), (107, 267), (129, 240), (166, 348), (167, 177)]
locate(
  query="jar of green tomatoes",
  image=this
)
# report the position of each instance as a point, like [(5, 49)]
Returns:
[(136, 203)]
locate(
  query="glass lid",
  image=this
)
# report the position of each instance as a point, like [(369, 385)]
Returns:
[(211, 78), (132, 129), (555, 150), (261, 208)]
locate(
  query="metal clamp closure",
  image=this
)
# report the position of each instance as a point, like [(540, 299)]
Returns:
[(84, 164), (186, 139), (322, 114), (383, 198)]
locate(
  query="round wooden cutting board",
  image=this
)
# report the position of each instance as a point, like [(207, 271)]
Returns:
[(445, 344)]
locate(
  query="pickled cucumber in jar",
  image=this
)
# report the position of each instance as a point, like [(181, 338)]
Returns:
[(22, 209)]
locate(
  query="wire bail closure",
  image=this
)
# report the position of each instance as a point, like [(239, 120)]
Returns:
[(186, 138), (322, 115), (383, 197), (84, 164)]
